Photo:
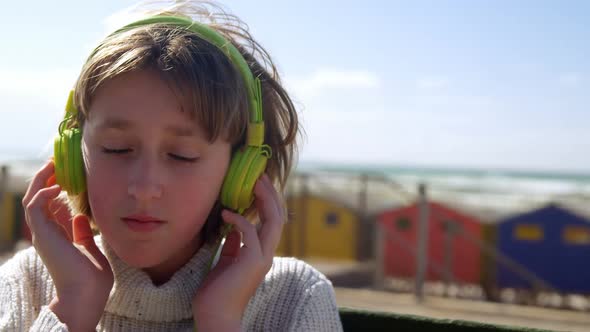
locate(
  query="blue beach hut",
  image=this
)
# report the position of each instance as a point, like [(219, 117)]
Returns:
[(553, 242)]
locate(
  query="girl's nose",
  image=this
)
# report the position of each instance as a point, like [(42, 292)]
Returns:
[(145, 191), (145, 183)]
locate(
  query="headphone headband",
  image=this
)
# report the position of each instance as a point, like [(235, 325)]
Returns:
[(253, 86)]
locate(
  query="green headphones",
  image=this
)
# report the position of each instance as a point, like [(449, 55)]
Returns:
[(246, 165)]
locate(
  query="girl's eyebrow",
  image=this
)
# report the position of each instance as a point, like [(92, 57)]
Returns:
[(114, 123), (180, 131), (122, 124)]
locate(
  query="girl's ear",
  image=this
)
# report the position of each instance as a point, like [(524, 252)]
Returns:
[(211, 230)]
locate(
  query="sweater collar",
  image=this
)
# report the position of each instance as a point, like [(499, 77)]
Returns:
[(135, 296)]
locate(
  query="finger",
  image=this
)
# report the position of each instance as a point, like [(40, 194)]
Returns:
[(265, 198), (83, 236), (51, 181), (46, 199), (36, 210), (38, 182), (61, 214), (230, 250), (273, 195), (249, 235), (48, 238), (56, 214), (272, 219), (231, 246), (252, 212)]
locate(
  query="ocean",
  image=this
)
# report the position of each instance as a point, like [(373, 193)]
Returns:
[(488, 191), (483, 189)]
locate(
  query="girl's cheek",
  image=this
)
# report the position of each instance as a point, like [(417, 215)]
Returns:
[(104, 187), (98, 207)]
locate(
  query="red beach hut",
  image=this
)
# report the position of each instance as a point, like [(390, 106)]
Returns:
[(452, 243)]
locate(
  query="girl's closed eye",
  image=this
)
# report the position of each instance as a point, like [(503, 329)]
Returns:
[(172, 155), (181, 158), (115, 151)]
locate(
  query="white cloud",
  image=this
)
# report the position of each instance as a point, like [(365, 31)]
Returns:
[(328, 79), (121, 18), (25, 86), (113, 22), (450, 101)]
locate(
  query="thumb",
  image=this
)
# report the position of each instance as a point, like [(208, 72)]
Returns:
[(82, 232), (83, 236)]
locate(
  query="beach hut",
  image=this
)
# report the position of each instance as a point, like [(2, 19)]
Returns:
[(552, 242), (453, 238), (7, 221), (320, 228), (21, 229), (13, 226), (332, 217)]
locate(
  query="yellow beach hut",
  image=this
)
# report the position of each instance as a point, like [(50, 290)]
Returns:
[(319, 228)]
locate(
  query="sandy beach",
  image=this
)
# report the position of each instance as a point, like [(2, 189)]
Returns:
[(447, 308)]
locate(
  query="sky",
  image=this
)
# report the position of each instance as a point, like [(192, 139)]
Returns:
[(470, 84)]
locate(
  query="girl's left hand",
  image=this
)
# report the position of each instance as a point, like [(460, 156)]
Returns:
[(221, 300)]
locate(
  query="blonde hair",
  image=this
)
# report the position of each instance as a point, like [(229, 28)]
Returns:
[(194, 68)]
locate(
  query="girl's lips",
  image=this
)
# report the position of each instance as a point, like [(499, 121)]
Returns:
[(142, 226), (143, 218)]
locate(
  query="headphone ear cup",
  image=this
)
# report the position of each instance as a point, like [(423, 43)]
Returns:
[(58, 160), (246, 166), (255, 169), (229, 180), (77, 163), (69, 166)]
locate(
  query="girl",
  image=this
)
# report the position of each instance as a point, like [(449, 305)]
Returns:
[(162, 110)]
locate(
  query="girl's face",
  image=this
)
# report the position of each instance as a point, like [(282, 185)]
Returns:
[(145, 158)]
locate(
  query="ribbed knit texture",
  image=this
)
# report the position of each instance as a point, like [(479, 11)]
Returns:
[(293, 297)]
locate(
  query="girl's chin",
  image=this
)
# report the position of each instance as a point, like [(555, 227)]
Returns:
[(139, 262), (138, 258), (158, 271)]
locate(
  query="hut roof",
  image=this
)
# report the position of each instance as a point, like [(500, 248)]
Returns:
[(579, 208), (481, 213)]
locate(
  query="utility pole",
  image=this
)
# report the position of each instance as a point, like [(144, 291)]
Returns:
[(363, 250), (379, 249), (3, 182), (449, 237), (422, 257), (303, 216)]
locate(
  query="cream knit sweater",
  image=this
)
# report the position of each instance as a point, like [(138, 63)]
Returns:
[(292, 297)]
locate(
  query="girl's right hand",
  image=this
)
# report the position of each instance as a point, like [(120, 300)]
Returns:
[(81, 273)]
